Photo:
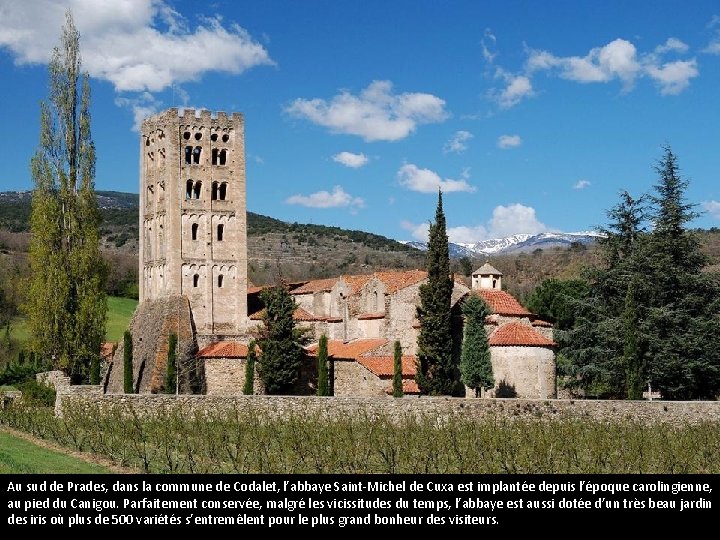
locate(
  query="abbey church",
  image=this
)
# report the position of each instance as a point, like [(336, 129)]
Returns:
[(194, 283)]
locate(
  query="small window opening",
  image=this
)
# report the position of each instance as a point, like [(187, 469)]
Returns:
[(194, 231), (188, 154), (494, 283), (214, 195), (214, 156), (198, 136), (225, 137), (186, 135), (188, 189), (196, 279), (196, 155), (213, 137), (196, 190), (223, 191), (220, 281), (147, 142), (223, 157), (220, 232)]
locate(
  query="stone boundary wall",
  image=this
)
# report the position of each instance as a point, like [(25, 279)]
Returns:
[(655, 412)]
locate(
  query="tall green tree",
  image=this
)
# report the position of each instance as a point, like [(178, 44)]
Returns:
[(171, 366), (633, 349), (281, 343), (554, 300), (66, 304), (249, 386), (475, 365), (397, 371), (436, 373), (323, 388), (128, 363)]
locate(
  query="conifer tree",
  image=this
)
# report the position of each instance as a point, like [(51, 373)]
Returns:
[(249, 386), (397, 371), (95, 370), (66, 304), (171, 367), (128, 363), (323, 388), (436, 372), (281, 343), (475, 365), (633, 350)]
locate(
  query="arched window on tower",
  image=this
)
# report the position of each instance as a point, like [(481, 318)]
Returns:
[(196, 155), (194, 231), (196, 280), (220, 232), (188, 154), (222, 192), (197, 188), (214, 191), (220, 281), (215, 154), (188, 189), (223, 157)]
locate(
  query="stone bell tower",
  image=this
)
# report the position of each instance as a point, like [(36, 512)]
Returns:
[(193, 226)]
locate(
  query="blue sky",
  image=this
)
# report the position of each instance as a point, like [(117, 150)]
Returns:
[(531, 116)]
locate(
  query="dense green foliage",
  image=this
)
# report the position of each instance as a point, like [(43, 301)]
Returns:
[(128, 363), (66, 304), (248, 441), (280, 343), (475, 366), (171, 367), (651, 313), (323, 386), (554, 300), (249, 385), (397, 370), (436, 373)]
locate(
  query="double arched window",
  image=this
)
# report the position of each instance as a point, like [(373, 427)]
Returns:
[(193, 189)]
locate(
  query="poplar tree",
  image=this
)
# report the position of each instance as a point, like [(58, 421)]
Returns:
[(323, 388), (397, 371), (475, 365), (66, 304), (436, 370), (249, 386)]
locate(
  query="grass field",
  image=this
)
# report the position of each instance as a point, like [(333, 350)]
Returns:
[(119, 312), (21, 456)]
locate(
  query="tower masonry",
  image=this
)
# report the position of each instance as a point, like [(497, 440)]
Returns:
[(193, 226)]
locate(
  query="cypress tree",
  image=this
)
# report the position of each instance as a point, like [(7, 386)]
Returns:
[(95, 370), (282, 351), (249, 386), (633, 350), (436, 371), (322, 360), (128, 363), (475, 365), (66, 304), (397, 371), (171, 368)]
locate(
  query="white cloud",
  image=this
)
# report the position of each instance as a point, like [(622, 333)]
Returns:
[(457, 143), (714, 46), (324, 199), (518, 87), (137, 45), (487, 43), (354, 161), (581, 184), (143, 105), (509, 141), (506, 221), (712, 208), (426, 181), (377, 114), (619, 60)]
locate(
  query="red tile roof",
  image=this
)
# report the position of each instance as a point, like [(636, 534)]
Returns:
[(409, 387), (106, 350), (255, 290), (384, 366), (356, 282), (350, 350), (316, 285), (395, 280), (544, 324), (517, 334), (370, 316), (501, 302), (224, 349)]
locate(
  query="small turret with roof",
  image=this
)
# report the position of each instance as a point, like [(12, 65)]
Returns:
[(487, 277)]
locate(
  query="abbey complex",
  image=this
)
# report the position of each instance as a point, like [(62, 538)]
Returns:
[(194, 283)]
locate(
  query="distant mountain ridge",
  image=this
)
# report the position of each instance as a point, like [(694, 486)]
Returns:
[(517, 243)]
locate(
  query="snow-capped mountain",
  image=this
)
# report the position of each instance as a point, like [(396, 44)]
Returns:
[(516, 243)]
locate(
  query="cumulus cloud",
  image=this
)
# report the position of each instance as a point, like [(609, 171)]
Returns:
[(457, 143), (505, 221), (620, 60), (354, 161), (377, 114), (324, 199), (712, 208), (713, 47), (426, 181), (509, 141), (517, 88), (137, 45), (581, 184)]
